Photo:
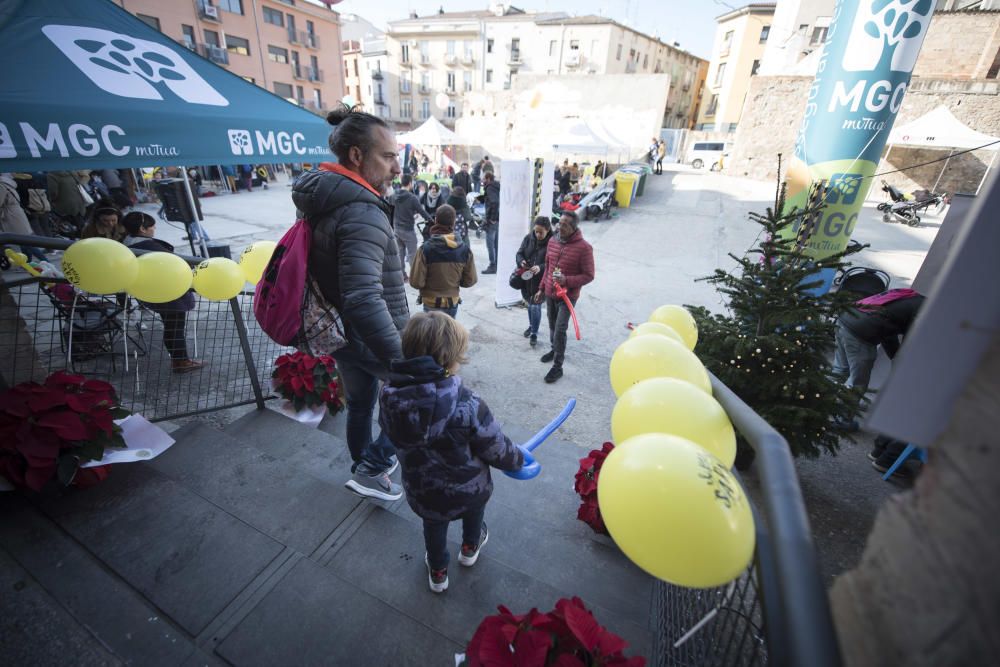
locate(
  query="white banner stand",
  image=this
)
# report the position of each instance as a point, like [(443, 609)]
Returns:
[(515, 222)]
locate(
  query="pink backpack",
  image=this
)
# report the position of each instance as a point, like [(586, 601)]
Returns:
[(886, 297)]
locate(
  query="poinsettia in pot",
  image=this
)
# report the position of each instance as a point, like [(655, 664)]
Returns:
[(567, 636), (47, 430), (586, 485), (309, 386)]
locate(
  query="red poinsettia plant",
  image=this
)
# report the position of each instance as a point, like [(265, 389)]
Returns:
[(47, 430), (567, 636), (586, 485), (307, 381)]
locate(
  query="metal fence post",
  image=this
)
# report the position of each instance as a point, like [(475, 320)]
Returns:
[(241, 330)]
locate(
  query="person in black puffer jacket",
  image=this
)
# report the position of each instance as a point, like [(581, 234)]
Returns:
[(355, 261), (446, 438), (531, 255)]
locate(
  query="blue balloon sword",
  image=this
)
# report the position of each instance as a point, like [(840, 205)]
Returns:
[(531, 467)]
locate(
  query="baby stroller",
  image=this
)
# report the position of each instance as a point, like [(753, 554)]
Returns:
[(599, 206), (905, 209)]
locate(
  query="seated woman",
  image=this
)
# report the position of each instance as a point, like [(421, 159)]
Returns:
[(141, 228), (104, 222)]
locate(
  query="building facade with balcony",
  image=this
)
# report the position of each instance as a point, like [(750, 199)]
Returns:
[(291, 48), (741, 37), (376, 82)]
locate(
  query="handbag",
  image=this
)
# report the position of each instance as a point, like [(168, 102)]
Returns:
[(322, 329), (515, 280)]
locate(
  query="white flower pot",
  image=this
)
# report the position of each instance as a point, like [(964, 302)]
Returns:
[(308, 416)]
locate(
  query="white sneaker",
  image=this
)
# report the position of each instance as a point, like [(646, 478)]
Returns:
[(436, 579), (375, 486)]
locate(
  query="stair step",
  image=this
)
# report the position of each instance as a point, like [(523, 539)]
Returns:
[(386, 558), (278, 495), (317, 618)]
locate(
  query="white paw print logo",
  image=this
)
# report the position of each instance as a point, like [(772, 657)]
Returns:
[(880, 25), (130, 67), (239, 142), (6, 143)]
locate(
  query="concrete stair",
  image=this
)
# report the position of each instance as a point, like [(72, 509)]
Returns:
[(242, 546)]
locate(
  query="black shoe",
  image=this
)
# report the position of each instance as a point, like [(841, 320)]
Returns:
[(902, 472), (527, 332), (533, 341), (554, 374), (489, 269), (548, 357)]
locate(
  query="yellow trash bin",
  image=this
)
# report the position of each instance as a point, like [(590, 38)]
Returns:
[(625, 188)]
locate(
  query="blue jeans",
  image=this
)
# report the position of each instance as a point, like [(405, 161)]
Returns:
[(534, 316), (491, 241), (853, 359), (360, 371), (451, 312), (436, 536)]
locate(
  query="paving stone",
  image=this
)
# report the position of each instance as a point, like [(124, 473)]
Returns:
[(184, 554), (314, 617), (112, 611), (278, 496), (386, 558)]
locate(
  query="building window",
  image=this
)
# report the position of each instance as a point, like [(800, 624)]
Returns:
[(425, 82), (489, 46), (287, 2), (515, 49), (451, 110), (300, 94), (318, 98), (347, 69), (552, 47), (467, 81), (754, 67), (407, 111), (356, 68), (425, 109), (212, 38), (232, 6), (712, 105), (237, 45), (450, 47), (451, 81), (489, 76), (425, 54), (818, 36), (727, 41), (274, 17), (188, 39), (803, 28), (277, 54), (405, 82), (720, 73), (645, 61), (151, 21), (618, 53), (574, 45), (764, 32), (283, 90), (404, 53)]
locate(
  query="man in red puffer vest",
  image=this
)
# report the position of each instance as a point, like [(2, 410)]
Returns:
[(569, 261)]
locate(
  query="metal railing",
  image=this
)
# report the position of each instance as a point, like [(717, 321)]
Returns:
[(314, 74), (216, 54), (46, 327), (777, 612)]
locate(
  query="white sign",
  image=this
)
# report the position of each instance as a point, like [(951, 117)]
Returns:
[(515, 222)]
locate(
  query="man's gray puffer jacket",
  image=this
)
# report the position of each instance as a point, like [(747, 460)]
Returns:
[(355, 259)]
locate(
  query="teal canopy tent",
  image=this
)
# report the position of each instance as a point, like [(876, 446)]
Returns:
[(86, 85)]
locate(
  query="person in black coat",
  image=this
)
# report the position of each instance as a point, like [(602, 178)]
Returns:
[(457, 200), (462, 179), (141, 228), (531, 256), (354, 259), (491, 193)]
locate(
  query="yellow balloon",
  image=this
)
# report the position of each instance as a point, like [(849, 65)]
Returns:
[(162, 277), (218, 279), (669, 405), (680, 320), (99, 266), (644, 357), (254, 259), (676, 511), (656, 328)]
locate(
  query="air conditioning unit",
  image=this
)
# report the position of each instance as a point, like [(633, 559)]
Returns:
[(211, 11)]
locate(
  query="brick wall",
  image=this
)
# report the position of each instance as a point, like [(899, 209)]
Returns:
[(960, 45)]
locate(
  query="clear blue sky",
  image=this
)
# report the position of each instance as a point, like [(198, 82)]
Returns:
[(690, 22)]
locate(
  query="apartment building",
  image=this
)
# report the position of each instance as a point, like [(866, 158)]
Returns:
[(372, 72), (432, 61), (289, 47), (741, 37)]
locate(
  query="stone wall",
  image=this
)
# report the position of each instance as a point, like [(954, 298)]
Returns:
[(775, 106), (960, 45)]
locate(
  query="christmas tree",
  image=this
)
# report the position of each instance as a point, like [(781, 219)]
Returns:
[(774, 345)]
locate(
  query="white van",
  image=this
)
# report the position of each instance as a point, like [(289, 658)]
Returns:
[(708, 153)]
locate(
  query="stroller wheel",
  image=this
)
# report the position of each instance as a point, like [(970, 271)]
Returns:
[(882, 207), (886, 217), (914, 221)]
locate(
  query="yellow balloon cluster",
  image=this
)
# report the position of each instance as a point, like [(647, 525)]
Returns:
[(254, 259), (665, 491), (99, 265), (218, 279), (162, 277)]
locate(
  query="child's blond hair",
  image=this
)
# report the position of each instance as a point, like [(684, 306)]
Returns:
[(436, 335)]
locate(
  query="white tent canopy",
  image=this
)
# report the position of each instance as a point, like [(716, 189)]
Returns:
[(432, 133), (940, 129), (580, 137)]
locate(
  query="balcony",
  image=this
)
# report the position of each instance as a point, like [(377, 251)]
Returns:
[(514, 58), (314, 74), (468, 59), (377, 75), (406, 62), (216, 54), (451, 92), (405, 87), (425, 60), (451, 59), (424, 90), (311, 40), (380, 102), (573, 59), (207, 11), (297, 72)]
